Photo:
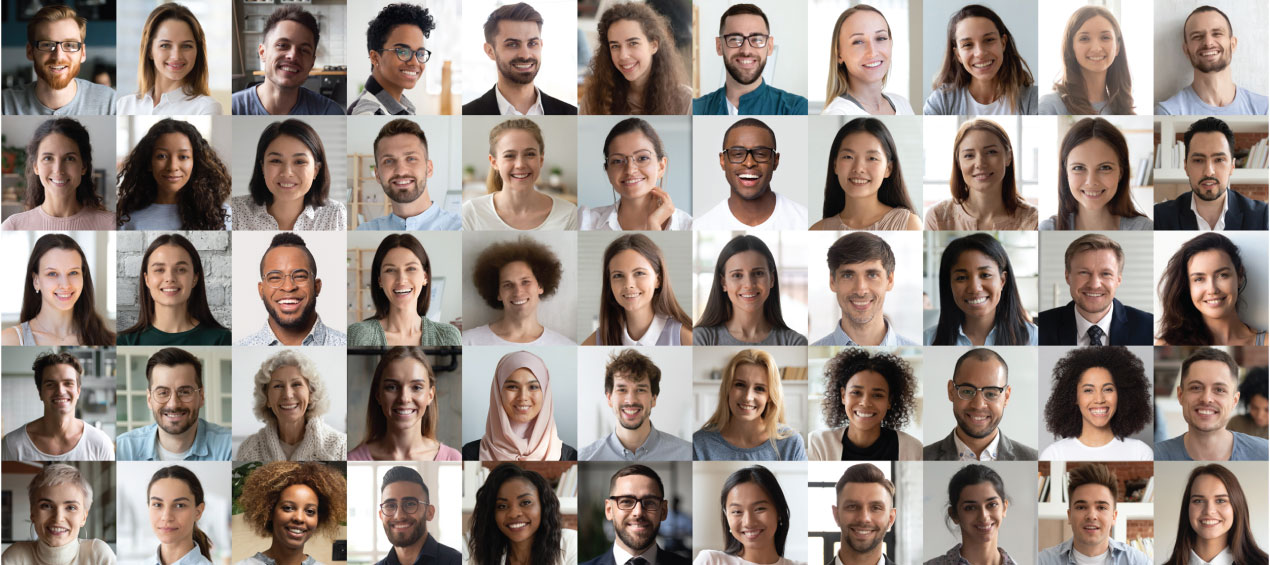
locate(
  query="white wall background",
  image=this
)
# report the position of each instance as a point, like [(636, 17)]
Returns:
[(216, 24), (903, 304), (137, 541), (708, 479), (1019, 18), (478, 373), (674, 404), (676, 248), (1017, 531), (444, 44), (817, 357), (822, 497), (1033, 143), (1135, 25), (1141, 141), (557, 311), (789, 179), (331, 130), (328, 250), (676, 138), (1170, 484), (559, 133), (332, 369), (1253, 306), (906, 131), (1048, 357), (786, 67), (1137, 285), (366, 539), (905, 41), (444, 135), (99, 254), (557, 74), (1173, 70), (445, 255), (787, 247), (1017, 419)]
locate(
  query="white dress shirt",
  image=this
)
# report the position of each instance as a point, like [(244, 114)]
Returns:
[(964, 453), (620, 556), (1083, 325), (1221, 218), (1223, 558), (505, 108)]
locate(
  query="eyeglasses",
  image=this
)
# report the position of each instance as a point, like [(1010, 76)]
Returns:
[(648, 503), (617, 160), (404, 53), (184, 394), (409, 505), (300, 277), (51, 46), (761, 154), (990, 393), (757, 41)]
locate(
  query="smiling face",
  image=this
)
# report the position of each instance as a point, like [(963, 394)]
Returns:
[(747, 280), (632, 164), (1092, 279), (518, 288), (517, 50), (861, 290), (748, 394), (1094, 45), (173, 512), (983, 158), (1091, 512), (864, 47), (59, 390), (58, 513), (169, 276), (977, 281), (295, 517), (289, 169), (1208, 395), (633, 280), (287, 54), (1096, 398), (752, 517), (631, 51), (402, 529), (864, 514), (175, 416), (173, 50), (632, 401), (979, 417), (59, 166), (1209, 165), (388, 69), (518, 510), (1093, 174), (518, 159), (1214, 284), (636, 528), (749, 179), (402, 167), (745, 63), (522, 396), (59, 279), (1210, 510), (292, 305), (172, 162), (58, 68), (405, 393), (979, 511), (861, 165), (402, 278), (980, 48), (866, 398), (1208, 42), (287, 394)]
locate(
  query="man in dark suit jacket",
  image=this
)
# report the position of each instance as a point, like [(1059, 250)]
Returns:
[(1210, 160), (864, 509), (636, 498), (513, 42), (979, 391), (405, 512), (1092, 266)]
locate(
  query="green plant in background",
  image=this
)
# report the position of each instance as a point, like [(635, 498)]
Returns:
[(241, 473), (13, 161)]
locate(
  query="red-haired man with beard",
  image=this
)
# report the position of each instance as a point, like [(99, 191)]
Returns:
[(55, 44)]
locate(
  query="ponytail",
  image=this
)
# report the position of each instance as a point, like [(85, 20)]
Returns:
[(188, 477), (204, 543), (493, 181)]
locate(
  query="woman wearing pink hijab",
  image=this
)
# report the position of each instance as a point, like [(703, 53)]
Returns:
[(521, 425)]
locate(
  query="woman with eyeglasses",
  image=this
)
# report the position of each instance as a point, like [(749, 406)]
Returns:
[(290, 398), (172, 67), (635, 161), (173, 298), (868, 398), (289, 503), (755, 516), (60, 498), (394, 67)]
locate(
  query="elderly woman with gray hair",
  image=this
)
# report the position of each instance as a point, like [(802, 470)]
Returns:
[(290, 398), (60, 499)]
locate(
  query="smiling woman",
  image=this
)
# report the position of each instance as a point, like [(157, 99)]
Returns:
[(60, 500), (400, 285), (749, 421), (756, 521), (983, 72), (58, 301), (521, 422), (173, 300), (175, 499), (172, 67), (1200, 290), (290, 503), (290, 183), (290, 398), (173, 179), (516, 521), (60, 192), (744, 307), (868, 398)]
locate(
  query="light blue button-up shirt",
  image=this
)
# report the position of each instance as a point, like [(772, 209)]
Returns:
[(194, 557), (840, 337), (659, 446), (929, 336), (319, 335), (1121, 554), (435, 218), (211, 443)]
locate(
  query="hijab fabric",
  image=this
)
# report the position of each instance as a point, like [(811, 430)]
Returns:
[(508, 441)]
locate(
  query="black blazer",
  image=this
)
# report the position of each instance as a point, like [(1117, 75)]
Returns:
[(663, 558), (487, 105), (1129, 326), (472, 451), (1242, 213)]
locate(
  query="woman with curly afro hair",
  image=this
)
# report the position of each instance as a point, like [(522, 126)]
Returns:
[(173, 180), (1100, 397), (514, 276), (868, 398), (290, 502)]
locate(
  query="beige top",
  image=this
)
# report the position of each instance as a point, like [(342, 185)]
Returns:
[(950, 215), (826, 445), (896, 219)]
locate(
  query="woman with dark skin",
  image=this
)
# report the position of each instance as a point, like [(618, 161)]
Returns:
[(517, 521), (978, 297), (860, 382), (173, 180), (1100, 397), (290, 502)]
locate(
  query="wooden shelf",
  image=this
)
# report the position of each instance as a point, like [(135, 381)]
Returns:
[(358, 206)]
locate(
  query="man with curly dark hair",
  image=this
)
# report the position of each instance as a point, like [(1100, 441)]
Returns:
[(289, 503), (394, 40), (868, 399), (979, 391), (513, 277), (513, 40), (1100, 397), (1208, 393)]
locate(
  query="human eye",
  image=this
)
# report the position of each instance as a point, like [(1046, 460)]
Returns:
[(533, 43), (274, 160), (534, 386), (500, 506), (310, 511), (643, 158), (282, 45)]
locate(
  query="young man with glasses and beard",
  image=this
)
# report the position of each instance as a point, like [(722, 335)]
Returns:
[(55, 45), (289, 288), (636, 506), (405, 512), (175, 395), (745, 42), (979, 392)]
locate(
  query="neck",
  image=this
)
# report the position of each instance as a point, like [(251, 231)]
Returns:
[(178, 443), (520, 552), (60, 205), (978, 328), (1210, 445), (409, 553), (975, 444), (285, 555), (860, 213), (1210, 209), (638, 321), (520, 96), (983, 91), (760, 554), (1215, 89), (849, 557), (56, 322), (735, 90), (517, 201), (1095, 85), (862, 437), (981, 553), (984, 204), (748, 326), (1095, 436), (1090, 550), (60, 425), (870, 96), (1207, 549), (1100, 219), (750, 432), (171, 552), (412, 209), (164, 196), (55, 98), (1092, 317), (172, 319), (291, 337), (871, 333), (636, 91), (632, 439), (401, 442), (753, 212), (1226, 329), (286, 213), (276, 100), (404, 320), (392, 89), (291, 433), (520, 323)]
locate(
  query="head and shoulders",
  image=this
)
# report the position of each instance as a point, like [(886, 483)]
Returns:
[(289, 375), (395, 44), (745, 290), (631, 485), (317, 490), (1092, 493), (517, 155), (1208, 392), (56, 46), (1103, 394), (405, 509), (750, 396), (1209, 44), (632, 384), (752, 491), (745, 41), (173, 56), (964, 85), (58, 380), (1212, 490), (175, 396), (1209, 147), (60, 146), (262, 207), (291, 304), (871, 380), (979, 391), (863, 174), (983, 145), (513, 40), (403, 165), (1093, 181), (636, 67), (634, 264), (860, 51), (862, 269), (1094, 31), (173, 294), (403, 273), (173, 179), (520, 423), (287, 53), (1093, 267), (1203, 268), (749, 158), (512, 491), (62, 489), (863, 497), (977, 280), (513, 277)]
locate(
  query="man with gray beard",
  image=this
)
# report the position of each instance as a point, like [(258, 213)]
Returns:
[(636, 506), (405, 511), (865, 512)]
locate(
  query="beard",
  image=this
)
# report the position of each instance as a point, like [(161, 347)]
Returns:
[(636, 425), (303, 321), (965, 427), (176, 428), (515, 75), (405, 197), (866, 546), (1216, 66), (58, 83), (408, 537), (638, 543), (1201, 193), (738, 75)]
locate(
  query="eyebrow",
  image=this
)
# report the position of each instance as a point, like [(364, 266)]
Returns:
[(879, 30), (177, 499), (179, 262), (522, 495), (296, 154), (989, 499), (862, 387), (1214, 154), (988, 146)]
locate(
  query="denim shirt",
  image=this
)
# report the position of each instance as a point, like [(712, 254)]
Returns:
[(1121, 554), (211, 443)]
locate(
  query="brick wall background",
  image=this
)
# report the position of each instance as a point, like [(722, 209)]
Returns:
[(214, 249)]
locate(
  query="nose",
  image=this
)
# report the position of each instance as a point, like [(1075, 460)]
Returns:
[(860, 285), (871, 49), (749, 160)]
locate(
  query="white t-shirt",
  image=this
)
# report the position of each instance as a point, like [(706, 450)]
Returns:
[(843, 107), (712, 557), (479, 214), (94, 445), (605, 218), (485, 336), (1100, 559), (1071, 449), (788, 215), (165, 455)]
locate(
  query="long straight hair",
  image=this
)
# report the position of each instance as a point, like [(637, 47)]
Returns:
[(376, 423), (1086, 129), (1011, 319), (1071, 88), (196, 488), (1012, 78), (195, 83), (92, 328), (1182, 323), (764, 478), (197, 306), (1010, 195), (893, 192), (839, 82), (1239, 540), (773, 413), (612, 315), (377, 295), (719, 307)]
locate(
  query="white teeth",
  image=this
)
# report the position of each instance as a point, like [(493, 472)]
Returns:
[(1210, 522), (748, 176), (520, 175), (405, 411), (749, 295), (872, 65), (519, 302), (1206, 412), (1099, 411), (633, 181), (859, 181), (977, 301), (524, 66), (628, 67), (412, 74), (1099, 58), (517, 525), (403, 291), (288, 301), (865, 414), (403, 182), (984, 65)]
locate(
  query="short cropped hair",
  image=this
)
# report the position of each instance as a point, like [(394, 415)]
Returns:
[(753, 123), (641, 470), (400, 474), (858, 247), (397, 127), (172, 357), (55, 474), (743, 9), (50, 358), (1092, 242), (633, 366), (864, 473), (292, 13), (394, 15), (1208, 125), (55, 13), (1210, 354), (1206, 8), (1092, 474), (541, 260), (289, 239), (520, 12)]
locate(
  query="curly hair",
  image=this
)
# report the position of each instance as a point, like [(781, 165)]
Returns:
[(487, 544), (1133, 391), (264, 488), (606, 90), (394, 15), (1254, 384), (200, 202), (85, 194), (1182, 323), (899, 380), (318, 400), (541, 260)]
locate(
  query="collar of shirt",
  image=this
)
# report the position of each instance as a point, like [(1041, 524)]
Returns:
[(167, 98), (1223, 558), (838, 560), (964, 453), (650, 336), (149, 451), (417, 222), (427, 554), (390, 104), (650, 442), (841, 337), (620, 556), (193, 557), (256, 216), (317, 335), (963, 339), (505, 108), (1083, 325), (1221, 218)]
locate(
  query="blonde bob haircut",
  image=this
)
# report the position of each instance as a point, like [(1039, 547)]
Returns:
[(57, 474), (773, 413), (318, 399)]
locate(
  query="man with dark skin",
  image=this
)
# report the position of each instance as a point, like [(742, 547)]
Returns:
[(289, 289), (979, 392), (405, 510), (748, 160)]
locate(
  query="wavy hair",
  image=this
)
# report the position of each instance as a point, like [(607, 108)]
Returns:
[(839, 81), (606, 91), (376, 422), (195, 83), (1071, 87), (1082, 131), (92, 328), (200, 203), (321, 187), (493, 180), (893, 192), (719, 307), (263, 489), (773, 413), (196, 307), (377, 295), (1014, 76), (1182, 323), (764, 478), (318, 399), (1239, 539), (1010, 195), (1011, 318), (191, 481), (85, 194), (1133, 391), (612, 315), (900, 382), (486, 543)]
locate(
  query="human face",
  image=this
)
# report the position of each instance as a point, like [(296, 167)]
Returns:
[(642, 169), (518, 288), (748, 395), (752, 517), (60, 278), (389, 70), (402, 529), (175, 417), (1209, 508), (864, 47), (1093, 174), (287, 54), (983, 158), (172, 162), (1208, 395), (979, 417), (745, 63), (405, 393), (518, 159), (173, 512), (59, 390), (402, 278), (295, 517), (173, 50), (977, 281), (631, 51), (633, 280), (1096, 398), (1209, 165), (402, 167), (749, 179), (170, 276), (522, 396), (1259, 409), (980, 48), (1092, 512), (1092, 279), (632, 401), (287, 394), (747, 281), (57, 68), (1095, 46), (861, 290), (518, 510), (1214, 284), (1208, 43), (289, 169), (861, 165), (636, 528), (866, 398), (864, 514), (516, 51), (980, 511), (291, 305), (59, 166), (58, 513)]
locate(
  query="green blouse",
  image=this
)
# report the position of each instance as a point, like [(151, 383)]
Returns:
[(370, 333)]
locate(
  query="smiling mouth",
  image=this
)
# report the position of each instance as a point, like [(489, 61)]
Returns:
[(295, 532), (982, 177), (517, 526), (1097, 59), (414, 74), (523, 408), (1215, 302), (404, 291), (519, 176), (1209, 523), (405, 411), (1095, 295), (64, 295), (746, 61), (751, 534), (636, 180), (873, 64), (1210, 53), (1206, 412), (748, 296), (524, 65), (57, 531), (985, 64), (632, 411), (170, 290), (1100, 411), (864, 415), (286, 68), (520, 302), (288, 407), (57, 68), (174, 414), (632, 296), (628, 68), (1092, 193), (861, 303), (289, 304), (175, 66), (977, 301), (403, 183), (978, 419), (748, 179), (59, 182)]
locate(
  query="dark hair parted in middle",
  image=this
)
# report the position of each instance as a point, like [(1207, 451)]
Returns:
[(487, 545), (893, 192), (200, 203), (971, 475), (1087, 129), (541, 260), (304, 133), (719, 307), (1133, 391), (196, 307), (264, 487), (764, 478), (1181, 323), (85, 194), (377, 294), (1240, 540), (394, 15), (900, 383), (1014, 76), (1072, 89), (612, 315), (92, 328), (1011, 319)]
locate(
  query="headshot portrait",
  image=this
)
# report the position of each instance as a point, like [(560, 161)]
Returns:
[(637, 185), (637, 60), (979, 67), (297, 410), (513, 69), (177, 301), (174, 58), (412, 180), (616, 414), (407, 47), (1193, 494), (399, 295), (1200, 403), (754, 416), (744, 303), (175, 512), (306, 190), (1100, 62), (869, 57), (1198, 186), (975, 510), (540, 527), (65, 189), (646, 510), (174, 174), (522, 173), (289, 511), (984, 289), (989, 185), (1097, 406), (291, 312), (1102, 178), (1205, 64), (279, 59), (73, 61), (176, 403), (516, 287), (59, 502), (859, 511), (864, 288), (408, 512), (745, 191), (1096, 280), (74, 417), (979, 404), (58, 304), (1094, 509), (530, 403), (413, 405), (864, 173), (733, 68), (737, 532), (869, 402), (628, 284), (1209, 289)]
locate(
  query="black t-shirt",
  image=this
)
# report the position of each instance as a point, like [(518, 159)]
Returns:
[(886, 448)]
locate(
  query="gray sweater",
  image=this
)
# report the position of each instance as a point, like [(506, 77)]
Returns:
[(91, 99), (949, 101), (718, 335), (710, 446)]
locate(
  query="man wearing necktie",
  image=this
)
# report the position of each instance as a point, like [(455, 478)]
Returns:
[(1093, 265), (636, 506)]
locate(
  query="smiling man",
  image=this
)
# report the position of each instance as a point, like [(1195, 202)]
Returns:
[(636, 507), (403, 168), (748, 160), (287, 51), (861, 273), (979, 392), (632, 383), (1092, 266), (1209, 42), (175, 396), (745, 42), (1208, 393), (55, 46), (289, 287), (865, 512), (58, 435), (405, 509), (513, 40), (394, 40), (1091, 512), (1211, 204)]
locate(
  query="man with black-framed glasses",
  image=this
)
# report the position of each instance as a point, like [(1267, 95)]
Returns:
[(55, 45), (748, 159), (174, 378), (394, 40), (405, 508), (636, 506), (289, 288), (745, 42), (979, 392)]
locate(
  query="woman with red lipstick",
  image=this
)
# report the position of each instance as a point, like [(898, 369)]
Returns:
[(635, 68), (985, 192), (401, 411), (173, 298), (977, 504), (290, 183), (1100, 397), (744, 305), (868, 398), (60, 500), (175, 499), (755, 518), (517, 521), (979, 302), (173, 180), (1213, 525), (514, 277), (983, 72), (60, 192), (1093, 181), (1200, 291), (172, 70), (521, 423), (635, 162), (401, 288), (58, 303), (864, 186), (290, 503), (638, 307), (290, 398), (1096, 76), (860, 60), (749, 421)]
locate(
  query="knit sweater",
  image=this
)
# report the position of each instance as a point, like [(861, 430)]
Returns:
[(86, 552), (321, 443)]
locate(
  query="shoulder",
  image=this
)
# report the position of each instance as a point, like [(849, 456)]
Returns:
[(787, 336), (908, 443), (1048, 223), (471, 450), (1027, 104), (446, 334), (706, 335), (365, 333), (712, 557), (321, 104), (1051, 105), (1136, 223), (555, 106), (790, 103), (333, 212), (840, 106), (708, 103), (1173, 105), (204, 105), (366, 104), (98, 550), (941, 101), (1259, 102), (902, 106)]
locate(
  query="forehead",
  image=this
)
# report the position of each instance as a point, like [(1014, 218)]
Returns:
[(173, 28), (515, 270), (64, 492), (407, 368), (1208, 260), (56, 142), (1095, 24), (522, 375), (978, 492), (288, 256), (631, 141), (1096, 376), (863, 492), (974, 259), (58, 258), (747, 259), (401, 143), (169, 254), (292, 31), (750, 373), (865, 21), (870, 265), (868, 380), (744, 24), (1208, 485), (403, 489), (749, 136), (170, 488), (637, 485), (173, 376), (286, 372), (747, 493), (514, 488), (287, 145), (509, 29), (624, 378), (60, 372), (861, 141), (301, 494), (630, 258), (1208, 371), (400, 256), (981, 372), (516, 139), (979, 137), (1093, 148), (622, 30), (1209, 142), (1092, 492), (1206, 20), (65, 29), (975, 27), (1095, 258), (173, 140)]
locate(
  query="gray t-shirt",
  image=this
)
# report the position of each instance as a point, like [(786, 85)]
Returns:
[(949, 101), (246, 102), (710, 446), (718, 335), (163, 217), (91, 99), (1246, 448), (1187, 103)]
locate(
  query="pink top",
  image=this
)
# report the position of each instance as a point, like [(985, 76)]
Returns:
[(950, 215), (36, 219), (445, 453)]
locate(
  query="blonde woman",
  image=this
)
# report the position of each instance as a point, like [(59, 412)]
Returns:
[(60, 500), (859, 63), (290, 398), (516, 157), (749, 422)]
